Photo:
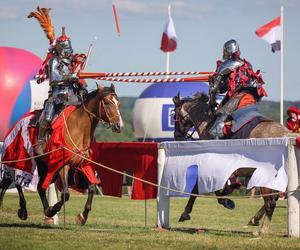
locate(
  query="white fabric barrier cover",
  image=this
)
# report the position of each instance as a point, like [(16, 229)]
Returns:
[(218, 159)]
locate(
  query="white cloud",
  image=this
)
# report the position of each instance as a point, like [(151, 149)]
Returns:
[(8, 13), (132, 6)]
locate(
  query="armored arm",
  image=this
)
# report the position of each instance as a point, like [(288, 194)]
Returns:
[(59, 73), (223, 71)]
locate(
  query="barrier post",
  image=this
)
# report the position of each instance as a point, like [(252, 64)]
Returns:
[(163, 202), (293, 198)]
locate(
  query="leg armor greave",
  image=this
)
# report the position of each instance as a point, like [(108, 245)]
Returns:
[(217, 129), (48, 111), (222, 114)]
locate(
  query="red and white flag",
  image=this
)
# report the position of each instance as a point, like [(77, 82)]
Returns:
[(271, 32), (169, 38)]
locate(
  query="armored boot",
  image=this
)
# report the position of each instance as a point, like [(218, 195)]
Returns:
[(39, 147), (217, 129)]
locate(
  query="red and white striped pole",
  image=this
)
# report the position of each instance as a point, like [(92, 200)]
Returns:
[(132, 80), (84, 75)]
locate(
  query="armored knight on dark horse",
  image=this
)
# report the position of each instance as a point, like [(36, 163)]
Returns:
[(243, 87), (236, 117)]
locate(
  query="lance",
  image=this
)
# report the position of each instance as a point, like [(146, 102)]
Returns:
[(87, 56), (158, 80), (84, 75)]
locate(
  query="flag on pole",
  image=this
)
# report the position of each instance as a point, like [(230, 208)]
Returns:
[(169, 38), (271, 32)]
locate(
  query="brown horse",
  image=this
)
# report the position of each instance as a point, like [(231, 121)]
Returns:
[(101, 105), (195, 112)]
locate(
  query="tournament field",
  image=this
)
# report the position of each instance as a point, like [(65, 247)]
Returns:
[(120, 224)]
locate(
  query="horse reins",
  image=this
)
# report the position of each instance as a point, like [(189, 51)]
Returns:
[(95, 116), (187, 135), (83, 151)]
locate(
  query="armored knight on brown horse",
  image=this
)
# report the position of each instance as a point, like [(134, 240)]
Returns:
[(70, 117)]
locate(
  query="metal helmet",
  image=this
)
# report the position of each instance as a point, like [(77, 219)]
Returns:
[(231, 49), (63, 45)]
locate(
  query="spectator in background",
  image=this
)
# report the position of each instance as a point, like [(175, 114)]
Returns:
[(292, 122)]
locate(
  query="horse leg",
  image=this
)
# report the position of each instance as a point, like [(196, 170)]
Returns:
[(254, 221), (65, 194), (22, 212), (4, 185), (50, 211), (82, 218), (189, 206), (270, 205)]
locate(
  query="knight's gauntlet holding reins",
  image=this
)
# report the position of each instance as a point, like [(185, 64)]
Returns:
[(215, 84), (70, 77)]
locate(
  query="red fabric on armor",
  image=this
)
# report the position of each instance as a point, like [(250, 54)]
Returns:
[(137, 157), (246, 100), (243, 79), (42, 71)]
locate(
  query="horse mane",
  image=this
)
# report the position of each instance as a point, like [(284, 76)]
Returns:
[(195, 100), (91, 95), (200, 95)]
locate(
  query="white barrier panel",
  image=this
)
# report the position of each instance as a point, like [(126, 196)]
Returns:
[(213, 162)]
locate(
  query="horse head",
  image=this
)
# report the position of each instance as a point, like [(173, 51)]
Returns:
[(109, 108), (189, 112)]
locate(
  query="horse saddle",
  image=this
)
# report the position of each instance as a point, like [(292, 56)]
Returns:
[(242, 116)]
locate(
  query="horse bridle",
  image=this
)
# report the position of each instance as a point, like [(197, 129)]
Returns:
[(101, 104), (188, 135)]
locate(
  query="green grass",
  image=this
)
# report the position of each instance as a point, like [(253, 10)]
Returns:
[(120, 224)]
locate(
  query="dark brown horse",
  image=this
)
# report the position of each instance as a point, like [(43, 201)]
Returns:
[(195, 112), (101, 105)]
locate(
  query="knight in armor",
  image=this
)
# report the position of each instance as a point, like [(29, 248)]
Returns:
[(60, 67), (293, 121), (236, 79), (64, 85)]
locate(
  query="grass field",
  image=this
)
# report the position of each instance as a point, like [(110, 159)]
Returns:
[(120, 224)]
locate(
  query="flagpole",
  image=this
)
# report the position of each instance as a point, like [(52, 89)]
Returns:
[(281, 66), (168, 53), (168, 63)]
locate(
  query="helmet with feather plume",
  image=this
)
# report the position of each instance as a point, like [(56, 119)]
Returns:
[(62, 45)]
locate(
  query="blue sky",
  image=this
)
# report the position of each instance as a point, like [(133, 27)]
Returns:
[(202, 27)]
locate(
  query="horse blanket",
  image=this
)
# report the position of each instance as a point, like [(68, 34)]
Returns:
[(18, 145)]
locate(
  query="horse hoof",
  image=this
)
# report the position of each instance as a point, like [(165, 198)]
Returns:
[(49, 212), (22, 214), (227, 203), (184, 217), (80, 220), (49, 221)]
